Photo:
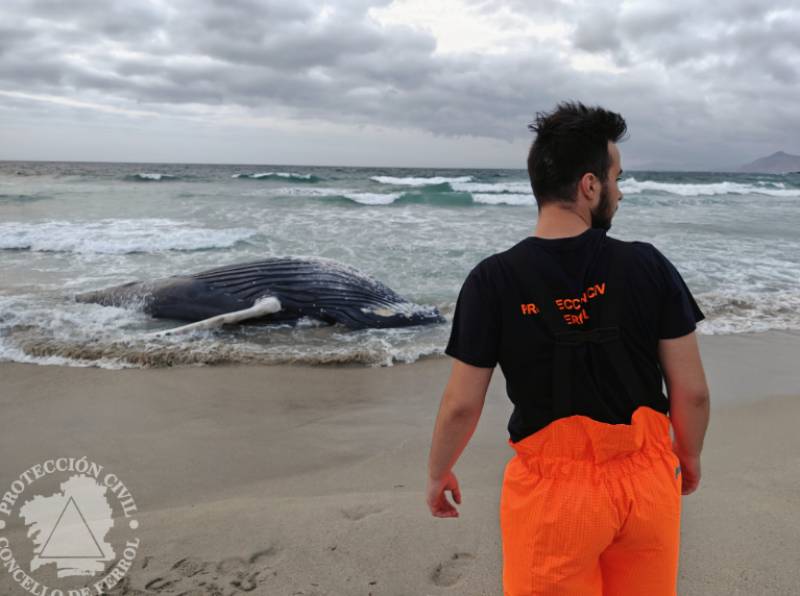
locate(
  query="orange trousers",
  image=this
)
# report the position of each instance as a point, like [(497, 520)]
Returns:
[(591, 509)]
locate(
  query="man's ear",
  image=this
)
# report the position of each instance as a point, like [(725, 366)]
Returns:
[(589, 185)]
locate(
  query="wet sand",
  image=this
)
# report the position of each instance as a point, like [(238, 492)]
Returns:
[(285, 480)]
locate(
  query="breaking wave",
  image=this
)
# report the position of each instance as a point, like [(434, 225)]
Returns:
[(116, 236), (441, 195), (151, 177), (435, 197), (504, 199), (284, 176), (520, 188), (419, 181), (373, 198), (632, 186)]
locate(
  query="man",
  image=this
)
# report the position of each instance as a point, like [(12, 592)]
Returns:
[(584, 327)]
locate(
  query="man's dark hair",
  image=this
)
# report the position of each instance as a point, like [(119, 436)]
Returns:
[(570, 141)]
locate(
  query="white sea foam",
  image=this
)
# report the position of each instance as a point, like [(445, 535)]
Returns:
[(295, 191), (153, 176), (30, 322), (9, 353), (632, 186), (116, 236), (372, 198), (424, 181), (287, 175), (504, 199), (499, 187), (747, 311)]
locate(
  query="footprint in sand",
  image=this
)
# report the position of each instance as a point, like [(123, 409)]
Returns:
[(356, 512), (192, 577), (190, 567), (262, 557), (231, 565), (123, 588), (207, 590), (450, 572), (162, 584)]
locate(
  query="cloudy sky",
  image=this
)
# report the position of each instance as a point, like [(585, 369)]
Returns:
[(393, 83)]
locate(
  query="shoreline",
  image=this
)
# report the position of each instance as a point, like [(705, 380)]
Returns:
[(732, 379)]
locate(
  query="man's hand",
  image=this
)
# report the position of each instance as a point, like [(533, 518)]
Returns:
[(437, 501), (690, 474), (458, 416), (689, 404)]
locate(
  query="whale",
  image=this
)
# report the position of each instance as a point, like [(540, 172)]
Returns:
[(270, 291)]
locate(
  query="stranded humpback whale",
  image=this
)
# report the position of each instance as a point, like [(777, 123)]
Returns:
[(275, 290)]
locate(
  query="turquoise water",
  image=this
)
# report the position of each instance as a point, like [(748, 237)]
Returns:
[(70, 227)]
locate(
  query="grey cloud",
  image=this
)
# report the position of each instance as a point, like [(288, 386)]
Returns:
[(711, 69), (597, 32), (9, 38), (114, 20)]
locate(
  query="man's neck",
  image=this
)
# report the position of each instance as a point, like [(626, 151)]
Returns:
[(557, 222)]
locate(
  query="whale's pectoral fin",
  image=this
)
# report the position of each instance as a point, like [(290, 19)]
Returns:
[(261, 307)]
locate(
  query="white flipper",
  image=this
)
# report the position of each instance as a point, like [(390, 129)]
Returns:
[(261, 307)]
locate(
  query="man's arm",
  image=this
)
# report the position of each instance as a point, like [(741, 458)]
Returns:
[(459, 412), (689, 402)]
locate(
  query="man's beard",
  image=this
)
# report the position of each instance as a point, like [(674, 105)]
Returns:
[(601, 217)]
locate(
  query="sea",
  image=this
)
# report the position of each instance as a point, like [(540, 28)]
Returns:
[(70, 227)]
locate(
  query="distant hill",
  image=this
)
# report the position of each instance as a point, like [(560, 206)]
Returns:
[(777, 163)]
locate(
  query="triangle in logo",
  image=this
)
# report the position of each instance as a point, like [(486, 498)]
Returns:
[(71, 537)]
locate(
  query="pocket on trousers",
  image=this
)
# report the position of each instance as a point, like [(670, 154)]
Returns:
[(677, 472), (519, 485)]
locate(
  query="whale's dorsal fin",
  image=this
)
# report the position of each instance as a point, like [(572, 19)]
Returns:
[(261, 307)]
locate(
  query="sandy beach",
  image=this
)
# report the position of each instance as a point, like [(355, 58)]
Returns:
[(290, 480)]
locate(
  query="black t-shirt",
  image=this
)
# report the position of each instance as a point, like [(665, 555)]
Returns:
[(496, 321)]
